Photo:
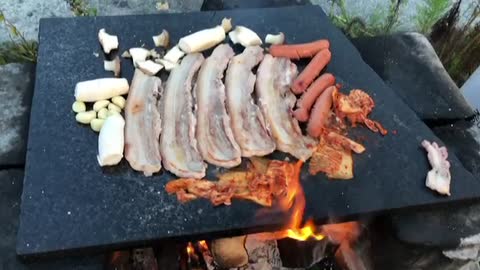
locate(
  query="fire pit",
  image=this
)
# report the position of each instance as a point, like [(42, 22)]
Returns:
[(118, 207)]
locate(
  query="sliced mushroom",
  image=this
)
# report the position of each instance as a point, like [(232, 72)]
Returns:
[(109, 42), (227, 24), (113, 65), (149, 67), (275, 39), (205, 39), (162, 40), (138, 55), (245, 36), (174, 54), (166, 64)]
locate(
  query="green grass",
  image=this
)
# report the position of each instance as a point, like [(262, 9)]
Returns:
[(80, 8), (383, 21), (18, 49), (429, 12)]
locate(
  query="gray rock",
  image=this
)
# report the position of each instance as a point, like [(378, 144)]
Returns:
[(16, 87), (128, 7), (26, 14), (408, 63), (10, 192), (470, 89), (369, 10)]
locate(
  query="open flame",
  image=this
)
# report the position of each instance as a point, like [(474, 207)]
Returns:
[(190, 249), (203, 245), (294, 201)]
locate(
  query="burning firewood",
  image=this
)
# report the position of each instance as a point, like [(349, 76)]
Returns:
[(230, 252)]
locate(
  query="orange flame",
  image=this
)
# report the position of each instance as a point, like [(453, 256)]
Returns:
[(294, 201), (190, 249), (203, 245)]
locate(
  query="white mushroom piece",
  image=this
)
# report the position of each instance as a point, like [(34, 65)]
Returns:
[(275, 39), (149, 67), (111, 141), (173, 55), (166, 64), (139, 55), (205, 39), (109, 42), (162, 40), (99, 89), (245, 36), (113, 66)]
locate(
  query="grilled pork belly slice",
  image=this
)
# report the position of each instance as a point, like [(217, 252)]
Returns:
[(143, 124), (438, 178), (274, 77), (178, 145), (216, 142), (248, 124)]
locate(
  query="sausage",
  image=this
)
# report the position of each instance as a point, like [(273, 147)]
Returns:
[(306, 101), (297, 51), (320, 112), (311, 71)]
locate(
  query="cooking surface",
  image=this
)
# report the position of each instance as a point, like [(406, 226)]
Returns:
[(69, 202)]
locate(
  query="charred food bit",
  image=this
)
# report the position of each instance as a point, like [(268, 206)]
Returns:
[(438, 178)]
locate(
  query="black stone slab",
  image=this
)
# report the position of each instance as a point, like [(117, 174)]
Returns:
[(69, 202), (445, 226), (407, 63), (209, 5)]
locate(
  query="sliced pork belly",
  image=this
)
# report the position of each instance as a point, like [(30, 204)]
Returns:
[(274, 77), (142, 124), (178, 145), (248, 124), (439, 177), (216, 142)]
